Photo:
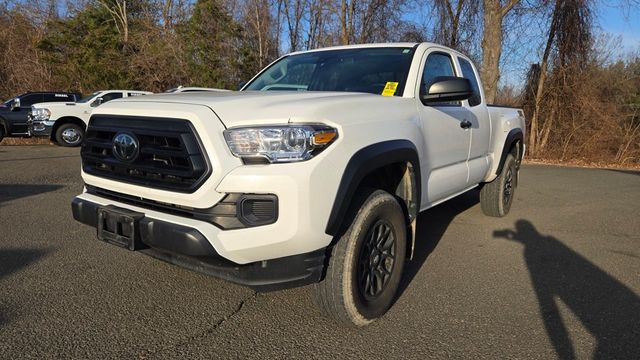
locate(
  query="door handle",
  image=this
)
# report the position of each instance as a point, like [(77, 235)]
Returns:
[(465, 124)]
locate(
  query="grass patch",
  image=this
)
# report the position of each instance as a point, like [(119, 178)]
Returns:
[(25, 141), (583, 164)]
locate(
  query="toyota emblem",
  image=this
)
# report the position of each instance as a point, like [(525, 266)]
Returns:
[(125, 147)]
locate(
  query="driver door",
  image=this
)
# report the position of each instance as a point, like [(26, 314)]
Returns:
[(447, 142)]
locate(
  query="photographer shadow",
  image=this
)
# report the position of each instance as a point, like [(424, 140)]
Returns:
[(607, 308), (13, 260)]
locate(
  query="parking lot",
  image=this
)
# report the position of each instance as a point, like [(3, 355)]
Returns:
[(558, 277)]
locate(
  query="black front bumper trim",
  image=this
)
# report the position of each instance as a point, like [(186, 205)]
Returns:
[(187, 247)]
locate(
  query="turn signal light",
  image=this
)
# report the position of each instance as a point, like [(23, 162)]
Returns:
[(324, 137)]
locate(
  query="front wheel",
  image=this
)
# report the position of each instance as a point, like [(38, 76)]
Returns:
[(69, 135), (366, 264), (496, 197)]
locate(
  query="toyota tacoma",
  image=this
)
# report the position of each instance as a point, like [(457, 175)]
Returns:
[(313, 173)]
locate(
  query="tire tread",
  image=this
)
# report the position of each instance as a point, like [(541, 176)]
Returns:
[(491, 193), (331, 294)]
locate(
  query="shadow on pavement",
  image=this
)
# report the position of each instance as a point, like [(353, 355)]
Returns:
[(607, 308), (10, 192), (12, 260), (430, 228)]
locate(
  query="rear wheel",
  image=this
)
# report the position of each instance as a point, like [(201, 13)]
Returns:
[(496, 197), (366, 264), (69, 135)]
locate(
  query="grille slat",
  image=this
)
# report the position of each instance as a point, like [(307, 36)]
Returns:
[(163, 151), (171, 157)]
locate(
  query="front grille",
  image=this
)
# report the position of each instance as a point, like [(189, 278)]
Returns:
[(170, 156)]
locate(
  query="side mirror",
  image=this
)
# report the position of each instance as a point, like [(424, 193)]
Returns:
[(448, 88), (15, 106), (97, 102)]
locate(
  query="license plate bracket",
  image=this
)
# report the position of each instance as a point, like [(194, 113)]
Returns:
[(120, 227)]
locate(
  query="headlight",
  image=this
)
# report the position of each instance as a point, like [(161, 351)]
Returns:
[(40, 114), (285, 143)]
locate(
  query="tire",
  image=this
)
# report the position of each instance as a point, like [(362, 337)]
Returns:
[(1, 132), (69, 135), (497, 196), (348, 293)]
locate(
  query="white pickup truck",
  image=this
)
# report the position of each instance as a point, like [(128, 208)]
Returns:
[(318, 180), (65, 122)]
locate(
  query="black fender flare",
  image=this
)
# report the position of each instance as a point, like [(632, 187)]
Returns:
[(512, 137), (362, 163)]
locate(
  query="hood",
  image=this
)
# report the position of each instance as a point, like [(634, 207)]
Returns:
[(241, 108)]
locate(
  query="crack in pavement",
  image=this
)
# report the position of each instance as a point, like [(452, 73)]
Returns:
[(206, 332)]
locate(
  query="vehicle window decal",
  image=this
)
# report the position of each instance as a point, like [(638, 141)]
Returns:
[(390, 88)]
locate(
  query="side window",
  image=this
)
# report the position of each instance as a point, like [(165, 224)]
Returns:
[(111, 96), (30, 99), (437, 64), (468, 73), (57, 97)]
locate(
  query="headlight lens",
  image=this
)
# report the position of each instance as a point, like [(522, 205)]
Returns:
[(40, 114), (280, 143)]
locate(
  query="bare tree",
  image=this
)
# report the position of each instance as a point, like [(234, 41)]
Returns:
[(540, 77), (494, 12), (118, 11), (260, 27), (347, 13), (294, 16), (456, 22), (569, 43)]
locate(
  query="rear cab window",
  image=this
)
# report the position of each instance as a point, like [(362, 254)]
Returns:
[(57, 97), (111, 96)]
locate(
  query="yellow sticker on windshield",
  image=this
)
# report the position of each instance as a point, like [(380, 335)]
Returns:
[(390, 88)]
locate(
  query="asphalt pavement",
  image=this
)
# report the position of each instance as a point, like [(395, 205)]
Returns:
[(559, 277)]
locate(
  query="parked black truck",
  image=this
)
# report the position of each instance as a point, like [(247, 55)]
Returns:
[(14, 112)]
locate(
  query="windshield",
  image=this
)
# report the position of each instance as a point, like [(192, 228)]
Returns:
[(89, 97), (368, 70)]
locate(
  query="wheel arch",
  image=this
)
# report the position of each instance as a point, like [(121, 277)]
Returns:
[(513, 144), (66, 120), (391, 165)]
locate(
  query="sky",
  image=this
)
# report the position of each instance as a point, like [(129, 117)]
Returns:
[(621, 22)]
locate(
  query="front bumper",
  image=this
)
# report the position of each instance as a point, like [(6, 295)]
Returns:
[(40, 128), (187, 247)]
